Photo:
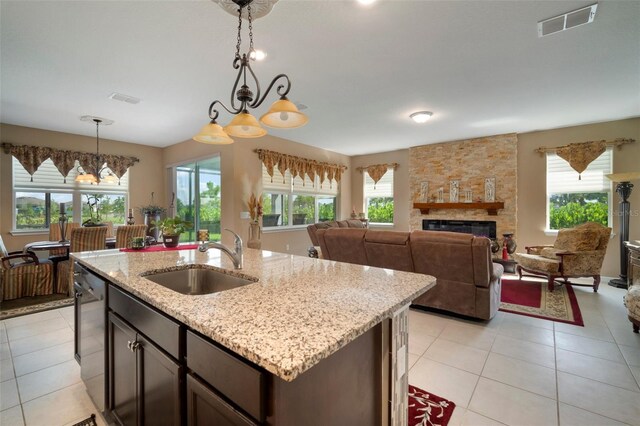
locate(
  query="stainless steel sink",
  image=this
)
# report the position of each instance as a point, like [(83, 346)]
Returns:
[(197, 279)]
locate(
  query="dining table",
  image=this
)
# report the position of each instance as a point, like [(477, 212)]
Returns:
[(110, 242)]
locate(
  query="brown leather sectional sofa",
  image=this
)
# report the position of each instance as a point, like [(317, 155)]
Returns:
[(468, 282)]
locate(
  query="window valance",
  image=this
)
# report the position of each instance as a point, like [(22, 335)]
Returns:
[(298, 166), (376, 171), (31, 157)]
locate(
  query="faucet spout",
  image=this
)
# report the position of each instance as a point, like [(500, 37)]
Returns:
[(235, 255)]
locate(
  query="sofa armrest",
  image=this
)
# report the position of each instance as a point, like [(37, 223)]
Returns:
[(536, 249), (582, 263)]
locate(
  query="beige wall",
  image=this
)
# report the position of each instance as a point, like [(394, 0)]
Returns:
[(143, 177), (239, 163), (532, 184), (400, 184)]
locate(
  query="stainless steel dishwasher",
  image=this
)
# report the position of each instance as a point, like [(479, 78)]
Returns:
[(91, 293)]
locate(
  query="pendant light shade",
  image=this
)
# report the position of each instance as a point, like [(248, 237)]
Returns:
[(86, 178), (110, 179), (284, 114), (213, 133), (245, 125)]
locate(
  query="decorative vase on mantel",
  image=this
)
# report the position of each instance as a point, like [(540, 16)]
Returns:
[(254, 236)]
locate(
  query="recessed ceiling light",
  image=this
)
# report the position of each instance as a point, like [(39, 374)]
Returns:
[(366, 2), (421, 116), (258, 55)]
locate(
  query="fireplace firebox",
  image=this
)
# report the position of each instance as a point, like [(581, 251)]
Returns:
[(479, 228)]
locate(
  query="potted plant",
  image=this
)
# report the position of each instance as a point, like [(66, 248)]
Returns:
[(171, 228), (151, 213), (94, 212)]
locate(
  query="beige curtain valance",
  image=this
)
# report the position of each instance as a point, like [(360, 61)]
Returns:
[(31, 157), (377, 171), (299, 166)]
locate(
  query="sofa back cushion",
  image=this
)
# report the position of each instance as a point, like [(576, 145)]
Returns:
[(577, 239), (388, 249), (458, 257), (343, 244), (314, 227)]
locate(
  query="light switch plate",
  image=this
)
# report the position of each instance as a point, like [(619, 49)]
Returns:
[(245, 215)]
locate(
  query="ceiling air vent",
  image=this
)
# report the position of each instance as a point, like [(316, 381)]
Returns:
[(568, 20), (124, 98)]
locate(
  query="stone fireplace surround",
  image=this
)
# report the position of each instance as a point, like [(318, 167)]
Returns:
[(470, 162)]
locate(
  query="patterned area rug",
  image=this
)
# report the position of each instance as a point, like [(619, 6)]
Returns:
[(427, 409), (31, 305), (533, 298)]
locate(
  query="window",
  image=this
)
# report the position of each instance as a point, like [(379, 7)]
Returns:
[(572, 201), (37, 202), (378, 198), (288, 202)]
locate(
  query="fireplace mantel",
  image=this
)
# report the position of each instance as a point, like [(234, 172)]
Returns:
[(491, 208)]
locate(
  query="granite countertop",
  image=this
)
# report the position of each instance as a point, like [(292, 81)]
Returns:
[(299, 312)]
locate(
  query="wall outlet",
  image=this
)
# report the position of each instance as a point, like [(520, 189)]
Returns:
[(286, 247), (245, 215)]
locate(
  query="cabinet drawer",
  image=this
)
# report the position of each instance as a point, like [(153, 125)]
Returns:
[(204, 407), (232, 377), (164, 331)]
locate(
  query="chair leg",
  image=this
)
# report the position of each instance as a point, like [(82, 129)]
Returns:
[(519, 271), (596, 284), (636, 328), (551, 283)]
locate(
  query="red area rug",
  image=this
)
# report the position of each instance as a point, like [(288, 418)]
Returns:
[(427, 409), (533, 299)]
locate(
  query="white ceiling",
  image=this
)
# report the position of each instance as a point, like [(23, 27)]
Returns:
[(478, 65)]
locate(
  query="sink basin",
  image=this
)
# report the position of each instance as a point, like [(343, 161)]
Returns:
[(197, 279)]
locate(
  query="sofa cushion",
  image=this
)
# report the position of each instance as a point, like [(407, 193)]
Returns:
[(388, 249), (343, 244), (577, 239), (537, 263), (443, 254)]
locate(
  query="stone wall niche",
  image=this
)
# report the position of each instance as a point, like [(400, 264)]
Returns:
[(470, 162)]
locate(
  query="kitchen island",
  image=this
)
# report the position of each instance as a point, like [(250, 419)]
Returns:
[(309, 327)]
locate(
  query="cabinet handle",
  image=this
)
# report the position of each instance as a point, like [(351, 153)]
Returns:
[(135, 346), (78, 295)]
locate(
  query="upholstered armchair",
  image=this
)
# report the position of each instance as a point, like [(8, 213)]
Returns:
[(81, 239), (125, 233), (577, 252), (23, 275)]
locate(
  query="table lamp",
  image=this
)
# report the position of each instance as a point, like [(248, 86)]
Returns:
[(623, 188)]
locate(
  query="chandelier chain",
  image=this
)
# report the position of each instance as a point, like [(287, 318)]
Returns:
[(239, 33), (250, 29)]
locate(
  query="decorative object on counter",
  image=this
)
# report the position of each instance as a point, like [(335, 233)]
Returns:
[(468, 196), (299, 166), (489, 190), (377, 171), (137, 243), (255, 212), (440, 195), (151, 213), (426, 408), (508, 246), (424, 191), (283, 113), (623, 188), (171, 228), (454, 188), (130, 219), (255, 233), (62, 223)]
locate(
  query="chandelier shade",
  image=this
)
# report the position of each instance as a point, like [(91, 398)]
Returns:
[(93, 168), (86, 178), (246, 94), (284, 114)]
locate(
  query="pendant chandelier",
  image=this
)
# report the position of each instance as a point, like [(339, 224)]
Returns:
[(95, 176), (283, 114)]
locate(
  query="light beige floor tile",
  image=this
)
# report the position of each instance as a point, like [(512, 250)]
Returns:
[(593, 332), (521, 331), (636, 373), (587, 346), (418, 343), (60, 407), (8, 394), (631, 355), (99, 419), (609, 372), (625, 336), (535, 353), (3, 335), (42, 341), (431, 328), (5, 351), (525, 320), (574, 416), (51, 379), (413, 358), (457, 355), (34, 361), (474, 419), (457, 416), (12, 417), (6, 369), (32, 318), (521, 374), (36, 328), (470, 335), (445, 381), (511, 405), (610, 401), (67, 312)]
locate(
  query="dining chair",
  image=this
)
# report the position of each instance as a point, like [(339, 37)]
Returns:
[(22, 274), (81, 239), (125, 233), (54, 235)]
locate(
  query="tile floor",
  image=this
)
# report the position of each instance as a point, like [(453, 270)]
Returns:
[(511, 370)]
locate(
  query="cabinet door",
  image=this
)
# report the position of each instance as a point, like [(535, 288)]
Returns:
[(122, 371), (205, 408), (159, 378), (77, 291)]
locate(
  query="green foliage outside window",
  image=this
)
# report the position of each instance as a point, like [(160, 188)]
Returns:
[(103, 208), (327, 211), (380, 210), (568, 210), (31, 211)]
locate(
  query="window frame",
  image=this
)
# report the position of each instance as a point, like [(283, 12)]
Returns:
[(365, 199)]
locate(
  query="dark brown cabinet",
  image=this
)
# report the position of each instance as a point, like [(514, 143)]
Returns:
[(205, 407)]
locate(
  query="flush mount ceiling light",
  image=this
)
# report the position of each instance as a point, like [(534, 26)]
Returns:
[(421, 116), (283, 113), (366, 2), (99, 172)]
